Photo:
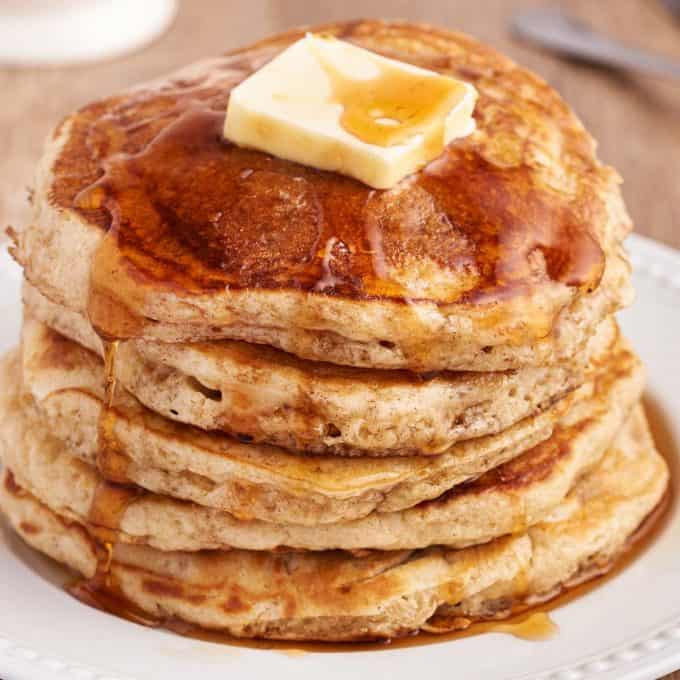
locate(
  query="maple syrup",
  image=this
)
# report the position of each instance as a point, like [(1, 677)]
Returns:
[(111, 459), (114, 493), (109, 503), (531, 625), (102, 593), (393, 106)]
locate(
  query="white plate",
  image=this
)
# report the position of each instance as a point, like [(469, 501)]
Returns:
[(627, 629)]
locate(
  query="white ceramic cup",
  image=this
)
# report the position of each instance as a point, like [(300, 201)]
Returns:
[(53, 32)]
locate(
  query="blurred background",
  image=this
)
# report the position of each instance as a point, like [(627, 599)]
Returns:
[(635, 117)]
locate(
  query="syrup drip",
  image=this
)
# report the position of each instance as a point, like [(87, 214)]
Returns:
[(535, 627), (109, 503), (111, 459), (393, 106), (102, 592), (111, 497)]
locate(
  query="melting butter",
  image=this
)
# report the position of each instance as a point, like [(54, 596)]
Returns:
[(331, 105)]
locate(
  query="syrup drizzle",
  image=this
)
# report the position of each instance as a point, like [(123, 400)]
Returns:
[(111, 459), (393, 106), (114, 494), (534, 626)]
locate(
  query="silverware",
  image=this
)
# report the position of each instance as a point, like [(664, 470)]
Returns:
[(673, 6), (551, 28)]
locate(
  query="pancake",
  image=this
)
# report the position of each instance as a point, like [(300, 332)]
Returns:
[(504, 500), (502, 252), (262, 394), (330, 595), (578, 539), (63, 383), (337, 596)]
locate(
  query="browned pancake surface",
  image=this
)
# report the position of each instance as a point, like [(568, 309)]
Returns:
[(194, 212)]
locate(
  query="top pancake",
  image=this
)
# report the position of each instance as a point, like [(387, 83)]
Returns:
[(501, 252)]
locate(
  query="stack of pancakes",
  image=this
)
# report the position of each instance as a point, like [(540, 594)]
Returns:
[(262, 398)]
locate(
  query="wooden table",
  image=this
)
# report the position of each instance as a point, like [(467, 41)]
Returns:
[(635, 119)]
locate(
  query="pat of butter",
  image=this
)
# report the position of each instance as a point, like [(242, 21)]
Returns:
[(331, 105)]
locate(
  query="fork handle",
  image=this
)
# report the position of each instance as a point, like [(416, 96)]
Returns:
[(550, 28)]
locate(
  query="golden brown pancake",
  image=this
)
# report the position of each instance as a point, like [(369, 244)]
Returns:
[(338, 596), (261, 394), (505, 499), (504, 251), (63, 383)]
